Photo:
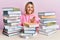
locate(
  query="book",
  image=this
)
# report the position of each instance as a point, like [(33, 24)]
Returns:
[(11, 21), (30, 28), (12, 34), (50, 27), (10, 18), (14, 15), (46, 13), (10, 9), (29, 32), (47, 30), (11, 24), (43, 17), (11, 15), (18, 27), (24, 35), (47, 21), (47, 33), (48, 24), (11, 12), (8, 27), (9, 30)]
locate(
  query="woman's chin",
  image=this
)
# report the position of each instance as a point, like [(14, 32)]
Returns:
[(29, 12)]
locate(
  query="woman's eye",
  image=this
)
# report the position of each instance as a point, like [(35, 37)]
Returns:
[(31, 7), (28, 7)]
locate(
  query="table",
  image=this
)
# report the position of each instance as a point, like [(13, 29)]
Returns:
[(55, 36)]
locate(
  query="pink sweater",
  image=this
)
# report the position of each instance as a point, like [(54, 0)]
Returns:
[(26, 18)]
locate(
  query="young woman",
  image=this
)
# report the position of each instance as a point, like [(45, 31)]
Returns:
[(29, 16)]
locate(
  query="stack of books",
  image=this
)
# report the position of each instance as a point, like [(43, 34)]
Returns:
[(11, 19), (29, 30), (11, 30), (48, 23)]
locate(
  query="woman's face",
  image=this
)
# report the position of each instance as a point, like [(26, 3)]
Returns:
[(30, 8)]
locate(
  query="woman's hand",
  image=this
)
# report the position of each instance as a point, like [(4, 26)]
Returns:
[(32, 20), (26, 24)]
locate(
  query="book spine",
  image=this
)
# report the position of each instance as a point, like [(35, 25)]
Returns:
[(13, 34), (10, 32), (29, 32), (47, 30), (14, 15), (11, 21), (14, 12), (29, 28), (11, 9), (11, 18), (50, 27), (26, 34), (47, 22), (42, 17), (47, 33), (13, 27), (46, 14)]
